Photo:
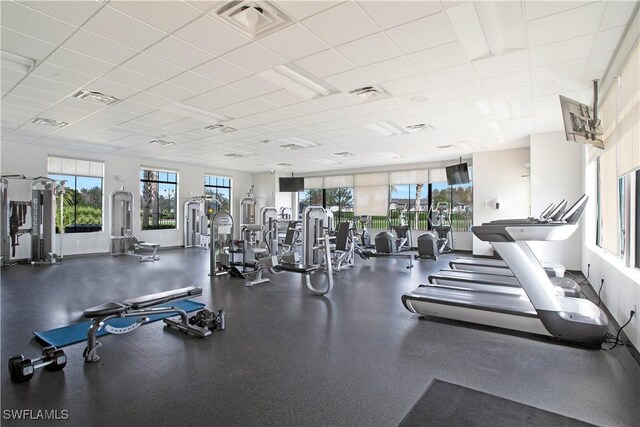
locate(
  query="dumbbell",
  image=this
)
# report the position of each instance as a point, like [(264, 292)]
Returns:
[(21, 369)]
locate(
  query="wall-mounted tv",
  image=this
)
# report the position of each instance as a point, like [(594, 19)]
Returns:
[(580, 124), (457, 174), (291, 185)]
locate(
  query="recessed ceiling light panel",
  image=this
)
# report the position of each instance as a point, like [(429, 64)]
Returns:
[(48, 122), (419, 127), (162, 142), (369, 93), (93, 96)]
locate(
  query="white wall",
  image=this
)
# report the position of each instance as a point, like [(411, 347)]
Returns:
[(556, 174), (499, 175), (31, 160)]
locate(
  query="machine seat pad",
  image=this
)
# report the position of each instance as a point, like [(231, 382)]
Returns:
[(149, 245), (259, 251), (106, 309), (297, 268), (162, 297)]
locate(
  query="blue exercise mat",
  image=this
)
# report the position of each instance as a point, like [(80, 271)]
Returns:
[(67, 335)]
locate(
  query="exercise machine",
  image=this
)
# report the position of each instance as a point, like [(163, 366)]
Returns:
[(386, 247), (123, 241), (248, 203), (221, 245), (427, 246), (344, 250), (196, 229), (544, 311), (439, 217), (35, 217), (140, 307)]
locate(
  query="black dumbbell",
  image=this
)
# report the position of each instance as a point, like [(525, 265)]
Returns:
[(21, 369)]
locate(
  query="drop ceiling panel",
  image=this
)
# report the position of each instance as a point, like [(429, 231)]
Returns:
[(370, 49), (194, 82), (303, 9), (283, 98), (255, 85), (391, 69), (349, 80), (325, 63), (131, 79), (152, 67), (99, 47), (439, 57), (607, 41), (617, 13), (409, 84), (33, 23), (115, 25), (583, 20), (538, 9), (72, 12), (506, 63), (75, 61), (171, 91), (431, 31), (229, 94), (211, 35), (110, 88), (178, 52), (60, 74), (24, 45), (448, 76), (566, 50), (392, 13), (47, 85), (341, 24), (506, 81), (559, 71), (167, 16), (293, 42), (254, 58)]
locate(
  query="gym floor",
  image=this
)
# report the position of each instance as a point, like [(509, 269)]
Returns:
[(355, 357)]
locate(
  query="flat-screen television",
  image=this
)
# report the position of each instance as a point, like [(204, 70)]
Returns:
[(457, 174), (579, 124), (291, 184)]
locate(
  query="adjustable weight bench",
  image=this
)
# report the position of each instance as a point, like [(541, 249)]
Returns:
[(142, 308), (132, 245)]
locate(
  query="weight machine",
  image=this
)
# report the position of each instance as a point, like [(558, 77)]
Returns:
[(196, 229), (123, 242), (221, 243)]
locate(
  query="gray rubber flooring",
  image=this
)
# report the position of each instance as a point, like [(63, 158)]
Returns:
[(288, 358)]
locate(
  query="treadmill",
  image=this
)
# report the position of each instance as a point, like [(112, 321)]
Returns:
[(543, 311)]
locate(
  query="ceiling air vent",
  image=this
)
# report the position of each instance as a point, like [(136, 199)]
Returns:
[(234, 155), (369, 93), (295, 143), (48, 122), (162, 142), (343, 154), (446, 147), (285, 164), (253, 18), (419, 127), (93, 96), (220, 128)]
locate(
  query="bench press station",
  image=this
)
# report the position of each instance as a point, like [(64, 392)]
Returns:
[(141, 307)]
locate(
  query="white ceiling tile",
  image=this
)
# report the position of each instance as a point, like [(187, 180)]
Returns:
[(178, 52), (255, 85), (453, 75), (65, 114), (25, 102), (439, 57), (205, 102), (24, 45), (82, 105), (211, 35), (597, 65), (60, 74), (338, 100), (229, 94), (556, 86), (407, 85), (27, 92), (303, 9), (257, 105), (33, 23), (283, 98), (11, 76), (221, 71), (391, 13), (325, 63), (130, 78), (559, 71), (46, 85), (349, 80), (508, 62), (390, 69), (466, 23), (418, 98), (584, 20), (167, 16), (204, 5), (111, 88), (282, 113), (75, 13), (117, 26), (341, 24), (370, 49), (77, 61), (538, 9), (506, 81), (254, 58), (151, 100), (194, 82), (152, 67), (462, 90), (607, 40), (96, 46), (617, 13), (566, 50), (170, 91), (257, 119), (233, 111), (293, 42), (431, 31), (134, 107)]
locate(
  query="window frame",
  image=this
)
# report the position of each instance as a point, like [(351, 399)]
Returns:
[(74, 223), (229, 187), (159, 181)]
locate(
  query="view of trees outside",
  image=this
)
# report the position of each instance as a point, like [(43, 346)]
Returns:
[(158, 204), (338, 200), (220, 189), (82, 204)]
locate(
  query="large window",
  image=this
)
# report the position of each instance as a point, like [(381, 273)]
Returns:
[(312, 197), (637, 225), (158, 199), (337, 200), (219, 188), (83, 196)]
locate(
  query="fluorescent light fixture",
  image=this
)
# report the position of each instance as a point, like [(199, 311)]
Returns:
[(162, 142), (93, 96), (488, 16), (294, 143), (343, 154), (386, 128), (390, 155), (220, 128), (418, 127), (484, 107), (236, 155), (17, 62), (48, 122), (284, 164), (466, 24), (194, 112), (496, 126), (297, 81)]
